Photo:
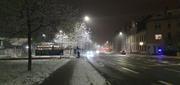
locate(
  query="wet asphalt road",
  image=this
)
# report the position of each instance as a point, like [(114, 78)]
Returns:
[(137, 70)]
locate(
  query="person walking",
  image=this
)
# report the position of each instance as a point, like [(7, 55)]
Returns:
[(78, 52)]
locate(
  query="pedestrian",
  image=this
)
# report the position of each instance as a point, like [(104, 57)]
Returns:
[(78, 54)]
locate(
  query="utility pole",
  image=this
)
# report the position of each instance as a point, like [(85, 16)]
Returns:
[(29, 35)]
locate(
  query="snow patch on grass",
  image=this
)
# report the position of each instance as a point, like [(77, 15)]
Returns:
[(14, 72)]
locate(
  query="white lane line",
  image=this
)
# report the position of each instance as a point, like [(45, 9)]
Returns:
[(165, 62), (130, 70), (165, 83), (172, 70), (175, 64), (156, 65), (108, 83), (100, 64)]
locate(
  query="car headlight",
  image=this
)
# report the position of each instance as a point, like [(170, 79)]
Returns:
[(97, 52), (90, 54)]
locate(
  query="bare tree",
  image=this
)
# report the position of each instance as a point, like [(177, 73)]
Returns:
[(20, 18)]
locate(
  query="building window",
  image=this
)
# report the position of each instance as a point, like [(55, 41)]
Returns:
[(157, 26), (158, 36), (169, 36), (1, 44)]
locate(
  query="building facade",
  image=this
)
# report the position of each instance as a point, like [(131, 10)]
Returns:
[(157, 34)]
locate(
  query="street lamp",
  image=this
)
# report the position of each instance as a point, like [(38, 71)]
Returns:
[(123, 39), (86, 34), (60, 31), (27, 47), (141, 43), (44, 35), (120, 33), (86, 18)]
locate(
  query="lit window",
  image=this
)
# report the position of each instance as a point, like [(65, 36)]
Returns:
[(158, 36)]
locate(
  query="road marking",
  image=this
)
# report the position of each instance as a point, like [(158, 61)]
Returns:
[(108, 83), (165, 62), (156, 65), (130, 70), (100, 64), (165, 83), (172, 70), (175, 64)]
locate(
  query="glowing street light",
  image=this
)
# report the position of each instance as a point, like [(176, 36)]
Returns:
[(141, 43), (27, 47), (107, 42), (120, 33), (60, 31), (44, 35), (86, 18)]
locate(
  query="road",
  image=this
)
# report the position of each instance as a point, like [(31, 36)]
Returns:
[(137, 70)]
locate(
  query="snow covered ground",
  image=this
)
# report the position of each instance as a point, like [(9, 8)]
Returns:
[(14, 72), (85, 74)]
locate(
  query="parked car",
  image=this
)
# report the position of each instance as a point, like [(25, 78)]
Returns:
[(123, 52)]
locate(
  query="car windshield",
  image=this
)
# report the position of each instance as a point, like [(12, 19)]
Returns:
[(89, 42)]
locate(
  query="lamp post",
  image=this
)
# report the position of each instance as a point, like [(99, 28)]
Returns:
[(123, 37), (44, 37), (141, 44), (86, 20), (122, 43)]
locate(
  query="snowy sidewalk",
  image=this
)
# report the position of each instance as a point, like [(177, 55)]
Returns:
[(85, 74), (75, 72)]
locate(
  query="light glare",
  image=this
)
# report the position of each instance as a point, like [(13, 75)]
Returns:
[(141, 43), (120, 33), (86, 18), (27, 47)]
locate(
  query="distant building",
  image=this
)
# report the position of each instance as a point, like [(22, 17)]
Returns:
[(156, 34), (12, 47), (1, 43), (136, 43)]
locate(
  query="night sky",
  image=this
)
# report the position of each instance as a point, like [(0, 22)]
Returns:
[(109, 16)]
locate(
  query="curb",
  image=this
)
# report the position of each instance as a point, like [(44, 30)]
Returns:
[(37, 58)]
